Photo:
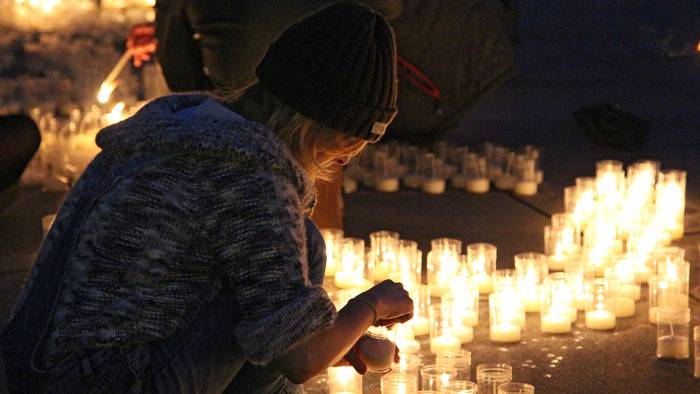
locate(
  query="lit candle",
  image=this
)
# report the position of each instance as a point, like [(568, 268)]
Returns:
[(444, 343), (505, 332), (531, 270), (506, 315), (600, 305), (344, 380), (600, 320), (481, 262), (332, 238), (420, 325), (556, 323)]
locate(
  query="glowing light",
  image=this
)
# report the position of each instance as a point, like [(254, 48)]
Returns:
[(106, 89), (116, 114)]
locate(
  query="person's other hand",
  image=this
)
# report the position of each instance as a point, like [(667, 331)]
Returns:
[(391, 301), (142, 42), (352, 358)]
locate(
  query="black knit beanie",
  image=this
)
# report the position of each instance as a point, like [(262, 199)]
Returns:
[(337, 67)]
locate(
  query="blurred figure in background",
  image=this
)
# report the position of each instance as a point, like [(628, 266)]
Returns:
[(19, 140)]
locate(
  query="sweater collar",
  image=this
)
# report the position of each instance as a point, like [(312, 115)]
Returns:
[(158, 128)]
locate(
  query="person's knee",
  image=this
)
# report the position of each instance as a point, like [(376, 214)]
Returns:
[(316, 252)]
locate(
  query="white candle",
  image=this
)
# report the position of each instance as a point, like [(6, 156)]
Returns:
[(434, 186), (438, 289), (672, 346), (531, 299), (624, 307), (386, 185), (600, 320), (478, 185), (505, 332), (629, 290), (556, 323), (444, 344), (556, 262), (420, 325), (470, 318), (526, 188)]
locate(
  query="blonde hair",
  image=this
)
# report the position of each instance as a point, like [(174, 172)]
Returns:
[(315, 146)]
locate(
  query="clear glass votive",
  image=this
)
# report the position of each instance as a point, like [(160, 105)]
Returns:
[(444, 336), (409, 264), (407, 365), (696, 352), (477, 180), (560, 244), (461, 360), (558, 305), (505, 277), (462, 387), (406, 340), (531, 271), (454, 308), (465, 301), (378, 348), (506, 315), (421, 310), (610, 182), (433, 174), (437, 378), (344, 380), (399, 383), (384, 246), (352, 272), (600, 305), (672, 333), (333, 239), (627, 286), (665, 292), (386, 172), (578, 271), (516, 388), (670, 201), (490, 376), (481, 263), (526, 174)]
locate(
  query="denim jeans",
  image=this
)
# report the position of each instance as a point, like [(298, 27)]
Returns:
[(203, 358)]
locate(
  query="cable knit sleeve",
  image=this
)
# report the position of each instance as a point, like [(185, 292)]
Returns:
[(256, 224)]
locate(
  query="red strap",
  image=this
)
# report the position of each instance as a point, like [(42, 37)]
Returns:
[(417, 78)]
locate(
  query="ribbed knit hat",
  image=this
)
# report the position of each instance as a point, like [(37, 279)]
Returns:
[(337, 67)]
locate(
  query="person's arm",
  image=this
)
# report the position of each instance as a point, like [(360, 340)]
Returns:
[(324, 349)]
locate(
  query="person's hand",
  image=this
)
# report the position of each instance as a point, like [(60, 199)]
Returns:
[(352, 358), (142, 43), (391, 301)]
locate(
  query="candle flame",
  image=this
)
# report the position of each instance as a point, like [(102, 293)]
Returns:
[(116, 115), (106, 89)]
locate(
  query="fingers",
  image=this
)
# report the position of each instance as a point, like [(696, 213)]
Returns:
[(356, 362)]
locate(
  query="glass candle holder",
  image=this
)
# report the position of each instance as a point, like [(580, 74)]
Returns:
[(384, 246), (490, 376), (672, 268), (386, 173), (408, 365), (409, 264), (516, 388), (464, 300), (333, 239), (506, 315), (436, 378), (462, 387), (610, 181), (461, 360), (578, 271), (579, 200), (560, 244), (670, 201), (342, 380), (531, 270), (443, 264), (672, 333), (664, 292), (433, 174), (558, 305), (526, 174), (352, 270), (444, 336), (626, 284), (696, 352), (476, 173), (481, 263), (421, 310), (377, 349), (406, 340), (600, 305), (505, 277), (399, 384)]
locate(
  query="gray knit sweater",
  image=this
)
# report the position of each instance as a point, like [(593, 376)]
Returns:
[(155, 250)]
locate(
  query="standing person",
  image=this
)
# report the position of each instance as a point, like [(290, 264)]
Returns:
[(181, 254)]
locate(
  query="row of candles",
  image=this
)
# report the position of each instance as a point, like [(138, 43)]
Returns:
[(384, 167)]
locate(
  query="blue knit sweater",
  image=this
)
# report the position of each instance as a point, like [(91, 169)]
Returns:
[(154, 251)]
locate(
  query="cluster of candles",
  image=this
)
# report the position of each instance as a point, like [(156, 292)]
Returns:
[(68, 145), (451, 373), (385, 167)]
